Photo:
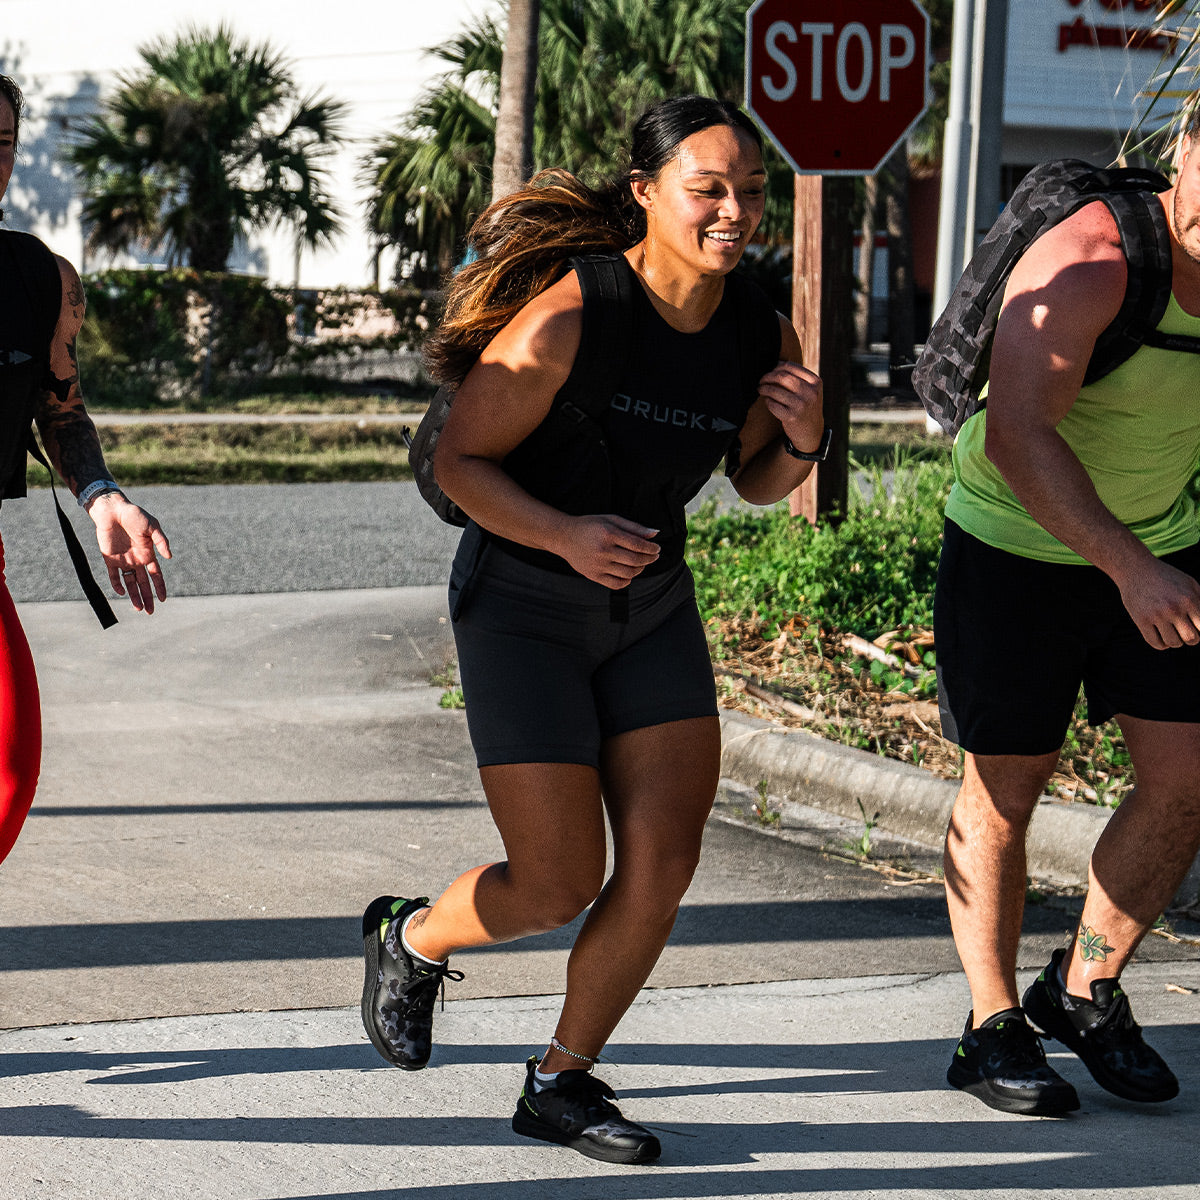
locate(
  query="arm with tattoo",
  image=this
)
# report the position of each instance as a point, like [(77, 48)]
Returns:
[(67, 431), (130, 539)]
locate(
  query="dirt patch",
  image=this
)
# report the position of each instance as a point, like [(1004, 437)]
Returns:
[(881, 696)]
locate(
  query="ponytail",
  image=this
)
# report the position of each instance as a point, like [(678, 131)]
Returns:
[(521, 244)]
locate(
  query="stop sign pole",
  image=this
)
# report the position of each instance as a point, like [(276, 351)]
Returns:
[(836, 87)]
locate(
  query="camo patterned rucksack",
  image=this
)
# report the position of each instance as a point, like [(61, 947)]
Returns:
[(953, 367)]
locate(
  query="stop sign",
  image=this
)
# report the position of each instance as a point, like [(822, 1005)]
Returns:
[(837, 86)]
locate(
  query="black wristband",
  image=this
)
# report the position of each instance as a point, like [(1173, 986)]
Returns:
[(820, 454)]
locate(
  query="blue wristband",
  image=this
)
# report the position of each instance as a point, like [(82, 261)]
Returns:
[(98, 488)]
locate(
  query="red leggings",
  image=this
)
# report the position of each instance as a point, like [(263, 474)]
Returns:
[(20, 722)]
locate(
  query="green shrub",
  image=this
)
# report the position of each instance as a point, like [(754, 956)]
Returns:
[(177, 336), (872, 571)]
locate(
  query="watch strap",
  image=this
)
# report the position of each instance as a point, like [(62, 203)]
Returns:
[(820, 454)]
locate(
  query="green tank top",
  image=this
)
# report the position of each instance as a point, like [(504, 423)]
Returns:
[(1137, 433)]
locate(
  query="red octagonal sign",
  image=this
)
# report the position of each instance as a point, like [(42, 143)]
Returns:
[(837, 86)]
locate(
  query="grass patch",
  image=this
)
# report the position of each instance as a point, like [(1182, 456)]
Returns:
[(873, 571), (337, 451), (878, 443), (336, 403)]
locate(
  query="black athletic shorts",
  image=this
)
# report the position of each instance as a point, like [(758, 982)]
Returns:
[(547, 674), (1016, 637)]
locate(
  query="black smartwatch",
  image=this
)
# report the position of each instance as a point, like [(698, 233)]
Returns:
[(820, 454)]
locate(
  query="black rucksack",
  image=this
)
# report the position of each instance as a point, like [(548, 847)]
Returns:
[(27, 260), (566, 452), (953, 366)]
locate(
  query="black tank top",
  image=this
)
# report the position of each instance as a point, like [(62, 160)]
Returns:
[(30, 296), (675, 415)]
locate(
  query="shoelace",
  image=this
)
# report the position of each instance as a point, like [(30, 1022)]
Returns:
[(594, 1094), (433, 979), (1024, 1046)]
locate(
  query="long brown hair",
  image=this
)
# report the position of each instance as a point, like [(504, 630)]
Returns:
[(521, 243)]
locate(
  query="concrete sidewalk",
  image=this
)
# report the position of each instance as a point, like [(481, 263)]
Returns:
[(826, 1089), (227, 784)]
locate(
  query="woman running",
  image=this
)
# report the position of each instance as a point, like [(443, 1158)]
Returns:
[(582, 656)]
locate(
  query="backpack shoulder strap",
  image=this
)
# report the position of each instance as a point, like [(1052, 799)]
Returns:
[(606, 283), (1146, 243), (91, 589)]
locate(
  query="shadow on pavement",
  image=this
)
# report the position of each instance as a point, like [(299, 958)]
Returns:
[(216, 807), (247, 939)]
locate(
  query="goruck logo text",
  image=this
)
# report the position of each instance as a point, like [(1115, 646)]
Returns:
[(663, 414)]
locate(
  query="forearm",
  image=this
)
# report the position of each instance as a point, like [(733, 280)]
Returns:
[(497, 503), (1051, 483), (72, 444), (771, 474)]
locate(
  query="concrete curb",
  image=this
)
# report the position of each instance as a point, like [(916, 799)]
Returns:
[(803, 770)]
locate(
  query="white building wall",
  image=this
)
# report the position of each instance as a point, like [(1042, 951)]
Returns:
[(368, 53), (1079, 73)]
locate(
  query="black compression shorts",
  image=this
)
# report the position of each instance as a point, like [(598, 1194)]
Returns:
[(547, 674), (1017, 636)]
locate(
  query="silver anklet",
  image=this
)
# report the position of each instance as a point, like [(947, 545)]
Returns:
[(591, 1059)]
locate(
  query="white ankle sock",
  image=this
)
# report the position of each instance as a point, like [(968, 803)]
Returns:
[(433, 962), (541, 1082)]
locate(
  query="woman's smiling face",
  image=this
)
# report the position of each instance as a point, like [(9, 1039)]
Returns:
[(705, 204)]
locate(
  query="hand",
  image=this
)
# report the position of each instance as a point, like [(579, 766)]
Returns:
[(609, 549), (1164, 603), (794, 399), (128, 537)]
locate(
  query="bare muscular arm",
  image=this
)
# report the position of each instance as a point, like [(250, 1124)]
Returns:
[(1062, 294)]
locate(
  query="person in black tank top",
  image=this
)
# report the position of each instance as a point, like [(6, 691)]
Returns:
[(584, 665), (41, 312)]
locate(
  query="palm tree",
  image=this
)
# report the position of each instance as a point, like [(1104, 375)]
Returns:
[(1173, 98), (600, 64), (513, 163), (208, 143)]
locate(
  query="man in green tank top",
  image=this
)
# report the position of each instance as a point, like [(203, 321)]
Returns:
[(1071, 534)]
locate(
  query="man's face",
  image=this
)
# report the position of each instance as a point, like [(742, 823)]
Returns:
[(8, 144), (1185, 206)]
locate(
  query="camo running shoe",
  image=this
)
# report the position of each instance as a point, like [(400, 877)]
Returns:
[(1103, 1033), (1003, 1063), (577, 1111), (398, 990)]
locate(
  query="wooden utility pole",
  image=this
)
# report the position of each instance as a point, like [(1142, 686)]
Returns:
[(823, 314)]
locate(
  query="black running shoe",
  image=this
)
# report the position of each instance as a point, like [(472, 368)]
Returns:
[(398, 990), (578, 1112), (1103, 1033), (1003, 1063)]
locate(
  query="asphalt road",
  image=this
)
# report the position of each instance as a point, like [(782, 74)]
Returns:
[(248, 538), (245, 539)]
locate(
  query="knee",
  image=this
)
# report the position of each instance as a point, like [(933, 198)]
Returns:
[(661, 874), (996, 798), (557, 901)]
